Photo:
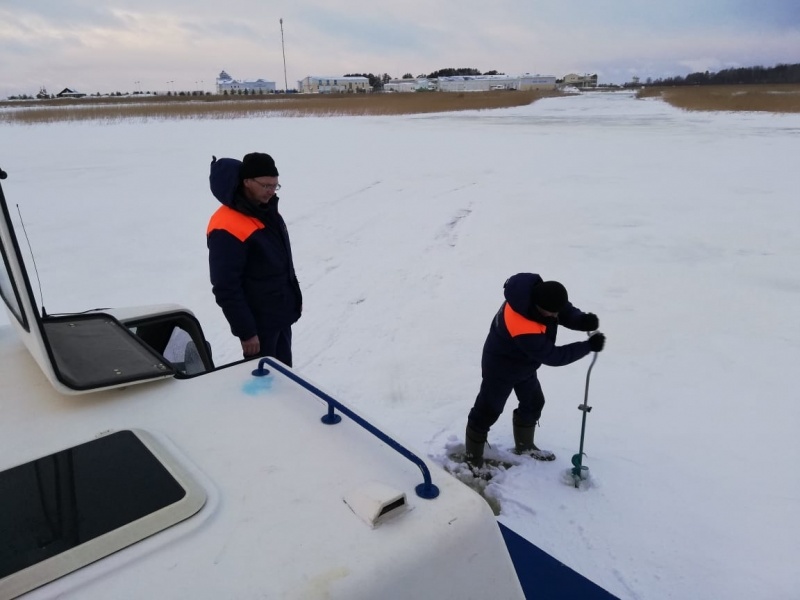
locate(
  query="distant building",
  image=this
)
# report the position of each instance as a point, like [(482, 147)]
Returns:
[(226, 83), (536, 82), (68, 93), (421, 84), (42, 95), (473, 83), (333, 85), (581, 81)]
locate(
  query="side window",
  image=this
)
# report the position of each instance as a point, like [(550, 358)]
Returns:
[(179, 339), (183, 353)]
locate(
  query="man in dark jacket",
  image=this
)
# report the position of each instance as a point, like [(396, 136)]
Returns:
[(250, 257), (522, 337)]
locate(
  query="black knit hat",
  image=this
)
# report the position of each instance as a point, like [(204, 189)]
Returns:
[(549, 295), (257, 164)]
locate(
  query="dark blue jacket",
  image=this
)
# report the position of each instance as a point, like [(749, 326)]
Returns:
[(250, 258), (521, 339)]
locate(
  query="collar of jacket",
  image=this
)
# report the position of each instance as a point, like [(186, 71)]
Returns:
[(262, 212)]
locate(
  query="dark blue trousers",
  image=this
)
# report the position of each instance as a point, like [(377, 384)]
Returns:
[(492, 398)]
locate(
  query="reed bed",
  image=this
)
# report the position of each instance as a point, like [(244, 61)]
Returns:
[(755, 98), (113, 109)]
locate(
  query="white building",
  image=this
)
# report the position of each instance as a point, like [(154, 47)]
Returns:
[(333, 85), (581, 81), (421, 84), (473, 83), (485, 83), (226, 83), (536, 82)]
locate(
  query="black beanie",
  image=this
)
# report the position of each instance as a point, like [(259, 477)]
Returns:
[(257, 164), (549, 295)]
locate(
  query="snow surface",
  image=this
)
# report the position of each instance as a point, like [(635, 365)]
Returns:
[(678, 229)]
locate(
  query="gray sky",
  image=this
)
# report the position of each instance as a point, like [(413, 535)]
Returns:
[(125, 45)]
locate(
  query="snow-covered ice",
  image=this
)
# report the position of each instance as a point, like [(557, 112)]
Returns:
[(678, 229)]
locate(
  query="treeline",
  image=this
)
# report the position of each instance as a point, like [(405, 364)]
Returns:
[(457, 72), (741, 76)]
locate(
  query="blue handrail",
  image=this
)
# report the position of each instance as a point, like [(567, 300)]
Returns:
[(425, 490)]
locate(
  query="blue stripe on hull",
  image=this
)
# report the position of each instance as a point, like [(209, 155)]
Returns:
[(545, 578)]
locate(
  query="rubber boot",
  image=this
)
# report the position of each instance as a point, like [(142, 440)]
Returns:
[(474, 444), (523, 443)]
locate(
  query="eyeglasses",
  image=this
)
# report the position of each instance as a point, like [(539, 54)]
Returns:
[(268, 186)]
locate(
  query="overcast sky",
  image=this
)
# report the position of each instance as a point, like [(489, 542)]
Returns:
[(127, 45)]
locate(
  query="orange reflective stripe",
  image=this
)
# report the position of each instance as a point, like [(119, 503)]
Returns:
[(237, 224), (519, 325)]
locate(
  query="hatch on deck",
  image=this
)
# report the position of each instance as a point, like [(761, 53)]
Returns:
[(63, 511)]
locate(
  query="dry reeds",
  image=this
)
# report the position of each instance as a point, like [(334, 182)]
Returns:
[(759, 98), (232, 107)]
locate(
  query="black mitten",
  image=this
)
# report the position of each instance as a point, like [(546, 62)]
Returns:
[(589, 322), (597, 341)]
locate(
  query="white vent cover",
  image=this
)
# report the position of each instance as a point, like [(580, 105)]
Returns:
[(376, 502)]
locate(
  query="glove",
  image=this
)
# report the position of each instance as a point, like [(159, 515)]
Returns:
[(588, 322), (596, 342)]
